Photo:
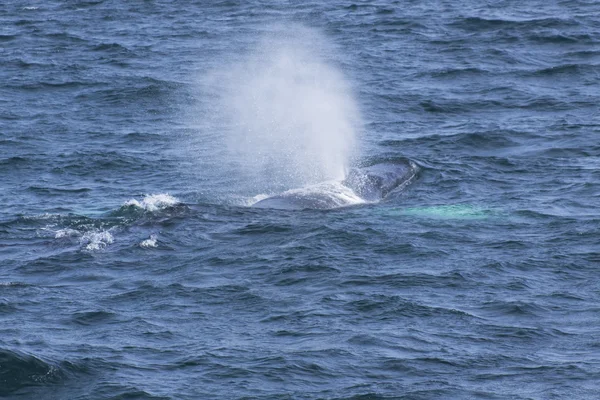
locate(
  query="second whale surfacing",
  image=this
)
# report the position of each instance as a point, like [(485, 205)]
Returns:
[(362, 185)]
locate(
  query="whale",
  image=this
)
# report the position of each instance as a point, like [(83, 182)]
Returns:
[(369, 184)]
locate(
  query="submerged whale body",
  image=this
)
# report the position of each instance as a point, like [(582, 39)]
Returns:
[(362, 185)]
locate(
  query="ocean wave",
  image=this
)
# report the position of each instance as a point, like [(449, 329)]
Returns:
[(13, 161), (49, 85), (94, 241), (148, 90), (150, 242), (153, 202), (114, 47), (449, 72), (566, 69), (562, 38), (19, 371), (6, 38), (82, 163), (56, 191), (486, 24), (26, 63), (66, 232), (93, 317), (89, 238)]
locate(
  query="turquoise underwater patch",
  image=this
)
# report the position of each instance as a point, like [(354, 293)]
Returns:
[(454, 211)]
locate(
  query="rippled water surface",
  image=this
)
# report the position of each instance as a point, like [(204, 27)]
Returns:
[(135, 135)]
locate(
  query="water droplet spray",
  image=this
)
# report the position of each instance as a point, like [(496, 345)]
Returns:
[(281, 116)]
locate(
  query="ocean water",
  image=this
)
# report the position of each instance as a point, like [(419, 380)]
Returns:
[(134, 136)]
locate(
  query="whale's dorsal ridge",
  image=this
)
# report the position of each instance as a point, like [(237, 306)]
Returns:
[(367, 184)]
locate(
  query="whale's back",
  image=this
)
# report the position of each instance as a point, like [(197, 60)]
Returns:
[(368, 184), (377, 181)]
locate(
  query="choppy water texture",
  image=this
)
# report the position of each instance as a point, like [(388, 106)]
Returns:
[(132, 268)]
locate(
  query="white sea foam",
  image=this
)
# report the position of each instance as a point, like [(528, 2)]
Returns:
[(96, 240), (66, 232), (154, 202), (41, 217), (150, 242), (90, 239)]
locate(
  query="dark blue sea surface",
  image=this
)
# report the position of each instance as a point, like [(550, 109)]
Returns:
[(135, 136)]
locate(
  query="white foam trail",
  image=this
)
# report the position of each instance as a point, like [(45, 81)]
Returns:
[(282, 117), (153, 202)]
